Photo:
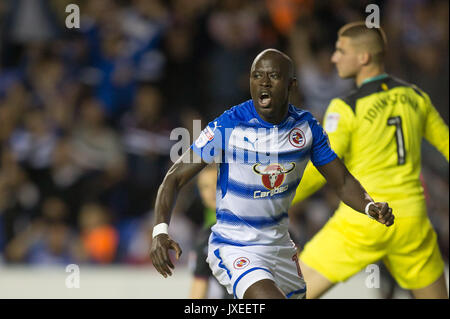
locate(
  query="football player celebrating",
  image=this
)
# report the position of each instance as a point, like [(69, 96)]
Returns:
[(261, 148)]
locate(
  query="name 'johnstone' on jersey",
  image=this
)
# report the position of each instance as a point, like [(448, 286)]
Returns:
[(259, 168)]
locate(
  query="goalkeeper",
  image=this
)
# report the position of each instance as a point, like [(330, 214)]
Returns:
[(377, 131)]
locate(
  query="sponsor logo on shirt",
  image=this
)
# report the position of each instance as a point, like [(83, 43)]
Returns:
[(272, 177)]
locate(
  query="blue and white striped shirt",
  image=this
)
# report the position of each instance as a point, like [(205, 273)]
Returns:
[(259, 168)]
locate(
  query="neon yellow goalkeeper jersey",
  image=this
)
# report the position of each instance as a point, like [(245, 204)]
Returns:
[(377, 131)]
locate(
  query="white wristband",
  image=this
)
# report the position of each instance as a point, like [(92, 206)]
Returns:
[(161, 228), (366, 210)]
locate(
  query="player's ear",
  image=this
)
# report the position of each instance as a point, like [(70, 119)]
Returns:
[(364, 58), (294, 92)]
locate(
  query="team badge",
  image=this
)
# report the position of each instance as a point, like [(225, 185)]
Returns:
[(297, 138), (273, 175), (241, 263)]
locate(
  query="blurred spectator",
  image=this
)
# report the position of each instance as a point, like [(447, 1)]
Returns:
[(124, 47), (143, 24), (19, 197), (285, 13), (317, 77), (12, 108), (47, 240), (32, 145), (418, 32), (66, 178), (99, 239), (117, 83), (96, 149), (135, 236), (145, 138), (96, 146), (25, 15), (180, 68), (235, 30)]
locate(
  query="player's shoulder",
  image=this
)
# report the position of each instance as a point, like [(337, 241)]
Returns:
[(351, 98), (381, 85), (238, 113), (346, 101), (302, 116), (231, 117), (299, 114), (394, 82)]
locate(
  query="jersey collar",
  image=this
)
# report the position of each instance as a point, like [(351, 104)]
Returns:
[(374, 78), (267, 124)]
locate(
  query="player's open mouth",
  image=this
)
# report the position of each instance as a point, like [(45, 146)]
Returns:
[(264, 99)]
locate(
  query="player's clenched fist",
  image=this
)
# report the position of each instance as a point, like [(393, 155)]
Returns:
[(159, 253), (382, 213)]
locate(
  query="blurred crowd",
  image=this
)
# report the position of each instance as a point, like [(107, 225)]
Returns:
[(86, 114)]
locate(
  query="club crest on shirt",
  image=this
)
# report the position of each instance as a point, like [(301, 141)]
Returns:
[(241, 263), (297, 138)]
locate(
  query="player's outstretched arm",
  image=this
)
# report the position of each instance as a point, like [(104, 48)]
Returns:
[(353, 194), (181, 172)]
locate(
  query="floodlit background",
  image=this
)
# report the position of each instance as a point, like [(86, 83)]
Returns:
[(86, 114)]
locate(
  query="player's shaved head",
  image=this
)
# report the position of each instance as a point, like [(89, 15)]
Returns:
[(285, 61), (372, 40), (271, 81)]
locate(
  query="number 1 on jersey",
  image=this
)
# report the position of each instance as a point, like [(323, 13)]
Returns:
[(401, 152)]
